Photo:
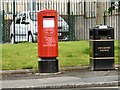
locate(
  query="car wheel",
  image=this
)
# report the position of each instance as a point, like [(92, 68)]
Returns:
[(12, 40), (30, 38)]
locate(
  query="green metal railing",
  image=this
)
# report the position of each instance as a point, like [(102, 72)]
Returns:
[(14, 19), (69, 21), (80, 16), (3, 26)]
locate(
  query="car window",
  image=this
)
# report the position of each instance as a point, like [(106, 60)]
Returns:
[(24, 17), (59, 18), (18, 19), (33, 16)]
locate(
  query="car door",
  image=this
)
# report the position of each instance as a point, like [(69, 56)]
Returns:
[(17, 28), (24, 27)]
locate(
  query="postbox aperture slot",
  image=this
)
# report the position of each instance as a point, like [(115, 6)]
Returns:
[(104, 34), (48, 16)]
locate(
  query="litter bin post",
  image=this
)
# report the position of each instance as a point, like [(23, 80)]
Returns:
[(101, 47)]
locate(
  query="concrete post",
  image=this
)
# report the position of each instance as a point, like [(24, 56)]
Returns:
[(99, 12)]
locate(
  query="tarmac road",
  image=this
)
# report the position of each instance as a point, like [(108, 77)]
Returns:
[(92, 88)]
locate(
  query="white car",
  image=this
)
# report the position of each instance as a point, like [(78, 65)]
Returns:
[(26, 27)]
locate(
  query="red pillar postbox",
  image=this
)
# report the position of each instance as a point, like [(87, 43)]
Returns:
[(48, 41)]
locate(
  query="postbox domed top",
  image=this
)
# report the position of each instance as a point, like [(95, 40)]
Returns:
[(47, 10)]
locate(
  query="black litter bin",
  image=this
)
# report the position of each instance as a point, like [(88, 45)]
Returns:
[(101, 47)]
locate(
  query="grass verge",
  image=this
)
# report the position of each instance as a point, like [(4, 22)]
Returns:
[(25, 55)]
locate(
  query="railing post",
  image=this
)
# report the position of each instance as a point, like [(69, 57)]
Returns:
[(3, 26), (119, 36), (73, 31), (14, 19), (0, 27), (69, 18), (84, 32)]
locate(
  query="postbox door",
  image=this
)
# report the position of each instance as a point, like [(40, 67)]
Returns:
[(47, 35)]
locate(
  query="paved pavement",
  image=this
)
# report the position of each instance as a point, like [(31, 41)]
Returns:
[(90, 88), (78, 78)]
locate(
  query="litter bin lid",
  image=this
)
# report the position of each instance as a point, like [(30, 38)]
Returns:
[(103, 27)]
